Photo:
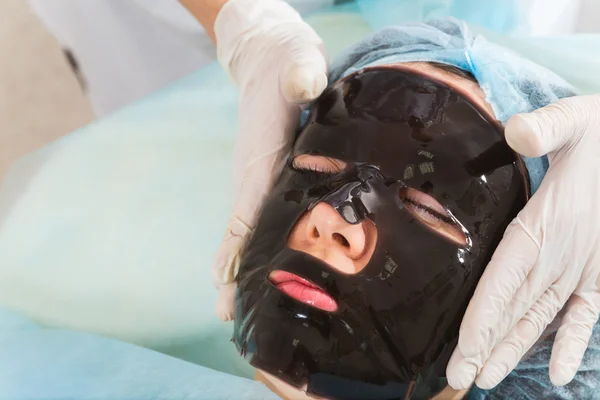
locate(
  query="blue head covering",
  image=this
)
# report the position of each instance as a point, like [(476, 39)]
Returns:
[(511, 83)]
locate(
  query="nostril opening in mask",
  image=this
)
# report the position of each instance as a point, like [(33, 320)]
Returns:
[(341, 239), (316, 233)]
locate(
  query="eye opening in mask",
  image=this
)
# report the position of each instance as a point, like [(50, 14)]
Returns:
[(432, 214)]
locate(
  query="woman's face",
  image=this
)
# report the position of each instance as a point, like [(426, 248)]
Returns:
[(366, 254)]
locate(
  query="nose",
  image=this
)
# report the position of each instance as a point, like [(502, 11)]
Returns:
[(324, 234)]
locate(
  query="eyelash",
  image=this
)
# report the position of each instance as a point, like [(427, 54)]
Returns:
[(312, 172), (434, 214)]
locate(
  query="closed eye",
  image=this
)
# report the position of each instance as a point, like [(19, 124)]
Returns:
[(432, 214), (322, 164)]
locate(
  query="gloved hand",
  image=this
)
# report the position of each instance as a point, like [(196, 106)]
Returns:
[(549, 256), (278, 61)]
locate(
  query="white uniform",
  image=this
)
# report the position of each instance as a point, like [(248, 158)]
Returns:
[(127, 49)]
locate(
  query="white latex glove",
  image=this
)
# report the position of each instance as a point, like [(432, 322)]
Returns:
[(278, 61), (549, 257)]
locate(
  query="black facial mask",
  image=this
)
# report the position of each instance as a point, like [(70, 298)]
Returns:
[(397, 320)]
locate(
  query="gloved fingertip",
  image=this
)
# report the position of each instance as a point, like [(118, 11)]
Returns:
[(523, 136), (460, 383), (563, 366), (571, 342), (461, 376), (491, 376), (562, 376), (303, 84)]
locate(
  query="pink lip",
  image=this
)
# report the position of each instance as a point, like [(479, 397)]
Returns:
[(302, 290)]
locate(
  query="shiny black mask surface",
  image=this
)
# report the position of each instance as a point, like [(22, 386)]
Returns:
[(397, 320)]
